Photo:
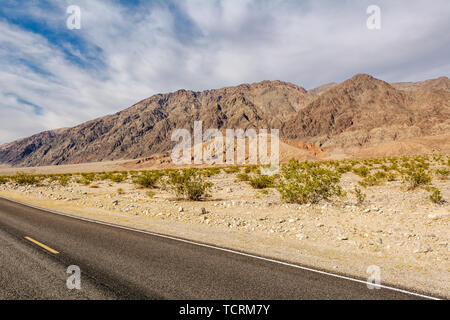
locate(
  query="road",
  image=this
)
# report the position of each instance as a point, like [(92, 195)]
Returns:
[(118, 263)]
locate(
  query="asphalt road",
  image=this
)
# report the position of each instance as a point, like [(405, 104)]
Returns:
[(117, 263)]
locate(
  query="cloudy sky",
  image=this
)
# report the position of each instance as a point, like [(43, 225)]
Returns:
[(125, 51)]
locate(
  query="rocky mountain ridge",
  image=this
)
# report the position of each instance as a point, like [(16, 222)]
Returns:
[(359, 112)]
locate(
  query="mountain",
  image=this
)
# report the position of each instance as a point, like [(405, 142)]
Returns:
[(145, 128), (442, 83), (360, 112), (364, 111)]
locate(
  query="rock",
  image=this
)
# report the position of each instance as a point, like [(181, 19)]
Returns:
[(423, 250), (115, 202), (203, 211), (366, 211), (319, 225), (180, 209), (443, 243), (301, 236), (380, 241), (342, 238)]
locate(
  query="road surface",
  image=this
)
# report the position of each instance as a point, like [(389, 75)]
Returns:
[(36, 248)]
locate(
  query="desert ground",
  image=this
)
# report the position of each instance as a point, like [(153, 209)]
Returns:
[(393, 214)]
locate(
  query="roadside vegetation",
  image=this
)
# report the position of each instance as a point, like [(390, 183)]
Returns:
[(147, 179), (308, 182), (297, 181), (189, 184)]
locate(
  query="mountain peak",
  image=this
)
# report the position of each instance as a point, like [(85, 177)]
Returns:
[(361, 82), (362, 77), (341, 115)]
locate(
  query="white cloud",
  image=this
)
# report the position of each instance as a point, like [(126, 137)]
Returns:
[(206, 44)]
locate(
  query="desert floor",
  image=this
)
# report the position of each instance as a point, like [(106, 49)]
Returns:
[(399, 230)]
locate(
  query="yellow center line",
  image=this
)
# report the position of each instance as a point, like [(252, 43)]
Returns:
[(42, 245)]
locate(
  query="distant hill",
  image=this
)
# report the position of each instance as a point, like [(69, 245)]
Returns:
[(362, 112)]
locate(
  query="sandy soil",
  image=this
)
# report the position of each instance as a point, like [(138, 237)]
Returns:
[(400, 231), (68, 168)]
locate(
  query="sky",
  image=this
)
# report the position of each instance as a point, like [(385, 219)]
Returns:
[(53, 76)]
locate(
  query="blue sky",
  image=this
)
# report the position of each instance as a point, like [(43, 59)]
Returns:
[(126, 51)]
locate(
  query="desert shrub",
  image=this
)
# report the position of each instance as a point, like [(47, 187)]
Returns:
[(189, 184), (243, 176), (416, 177), (4, 180), (101, 176), (377, 161), (436, 196), (233, 169), (354, 162), (252, 169), (84, 181), (147, 179), (119, 177), (437, 158), (391, 176), (209, 172), (361, 171), (367, 182), (120, 191), (166, 172), (344, 168), (64, 180), (308, 182), (22, 179), (360, 196), (374, 179), (380, 176), (87, 178), (52, 177), (442, 173), (261, 181), (405, 165)]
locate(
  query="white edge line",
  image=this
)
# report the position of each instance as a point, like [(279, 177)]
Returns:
[(225, 250)]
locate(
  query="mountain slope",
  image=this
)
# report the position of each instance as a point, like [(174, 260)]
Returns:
[(146, 127), (442, 83), (364, 111), (360, 112)]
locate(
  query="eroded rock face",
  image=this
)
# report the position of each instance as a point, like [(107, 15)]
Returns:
[(364, 111), (360, 112)]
